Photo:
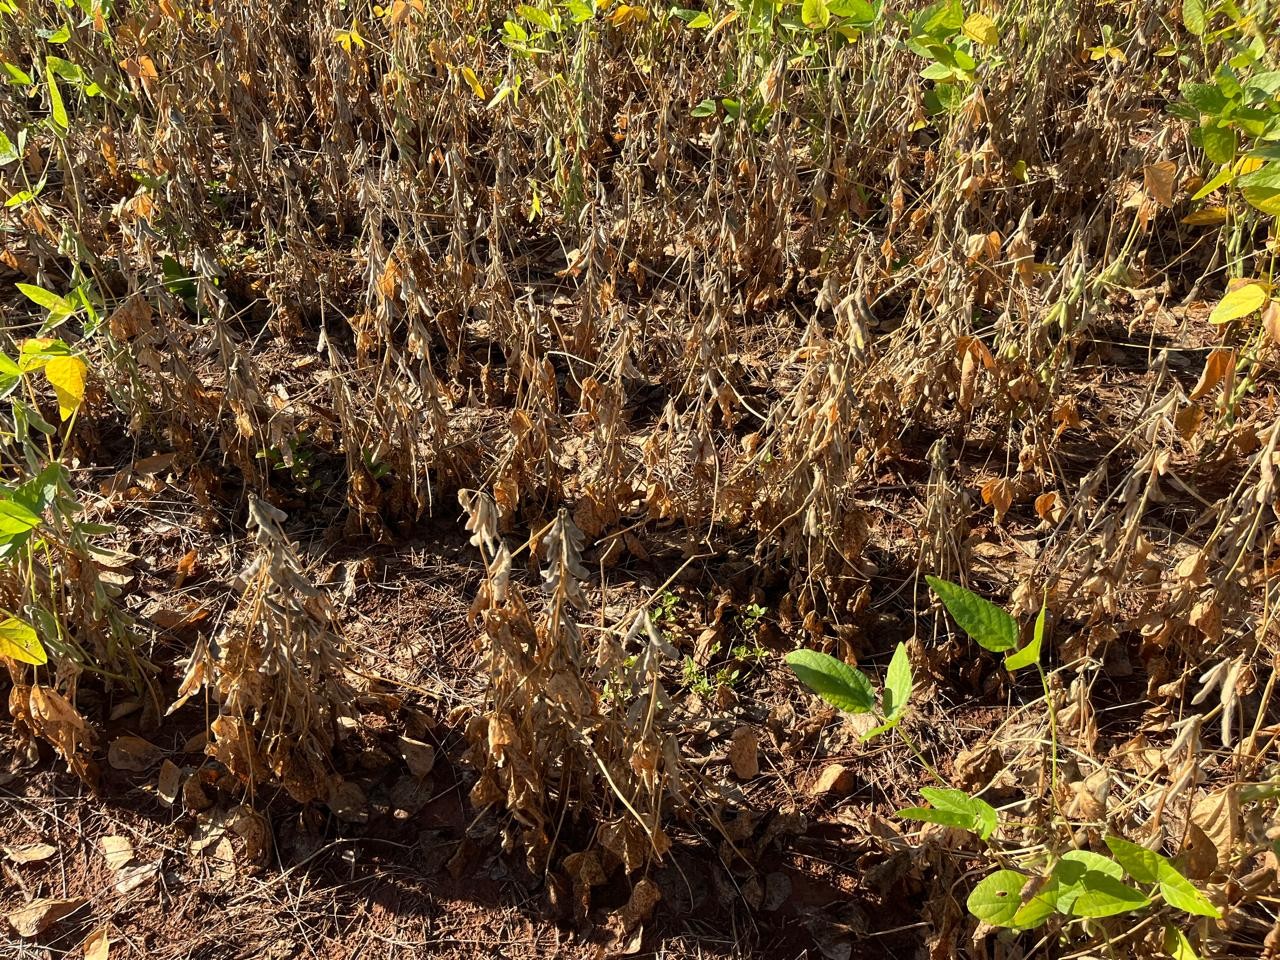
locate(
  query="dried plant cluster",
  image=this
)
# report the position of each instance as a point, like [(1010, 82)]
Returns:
[(732, 290)]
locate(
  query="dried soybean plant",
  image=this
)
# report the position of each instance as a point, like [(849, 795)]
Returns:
[(276, 672), (573, 745)]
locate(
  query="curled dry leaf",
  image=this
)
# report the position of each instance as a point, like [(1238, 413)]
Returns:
[(39, 915)]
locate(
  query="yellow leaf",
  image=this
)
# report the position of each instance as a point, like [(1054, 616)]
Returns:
[(66, 376), (981, 29), (473, 81), (18, 641), (628, 13), (1239, 303), (1209, 216)]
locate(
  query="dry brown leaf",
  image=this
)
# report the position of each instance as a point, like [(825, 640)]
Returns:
[(134, 877), (998, 492), (1049, 507), (169, 782), (97, 946), (1188, 420), (744, 753), (836, 780), (39, 915), (1271, 320), (418, 756), (1218, 816), (30, 853), (1159, 180), (118, 851), (132, 753), (186, 567), (1216, 367)]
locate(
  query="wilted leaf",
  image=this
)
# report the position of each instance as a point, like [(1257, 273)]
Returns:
[(170, 782), (980, 28), (1160, 179), (1208, 217), (418, 756), (1271, 321), (1215, 369), (67, 375), (744, 753)]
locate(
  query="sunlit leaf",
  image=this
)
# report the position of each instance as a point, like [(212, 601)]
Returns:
[(67, 376), (815, 14), (980, 28), (1240, 302), (1193, 17), (996, 898), (57, 109), (1262, 188), (987, 624), (18, 641), (833, 680)]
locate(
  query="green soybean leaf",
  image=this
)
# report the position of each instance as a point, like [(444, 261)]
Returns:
[(57, 109), (1103, 895), (1177, 946), (535, 16), (997, 898), (897, 684), (815, 14), (833, 680), (1031, 652), (1193, 17), (1223, 176), (1262, 188), (18, 641), (17, 76), (987, 624), (1219, 143), (45, 298), (954, 808), (1139, 862)]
